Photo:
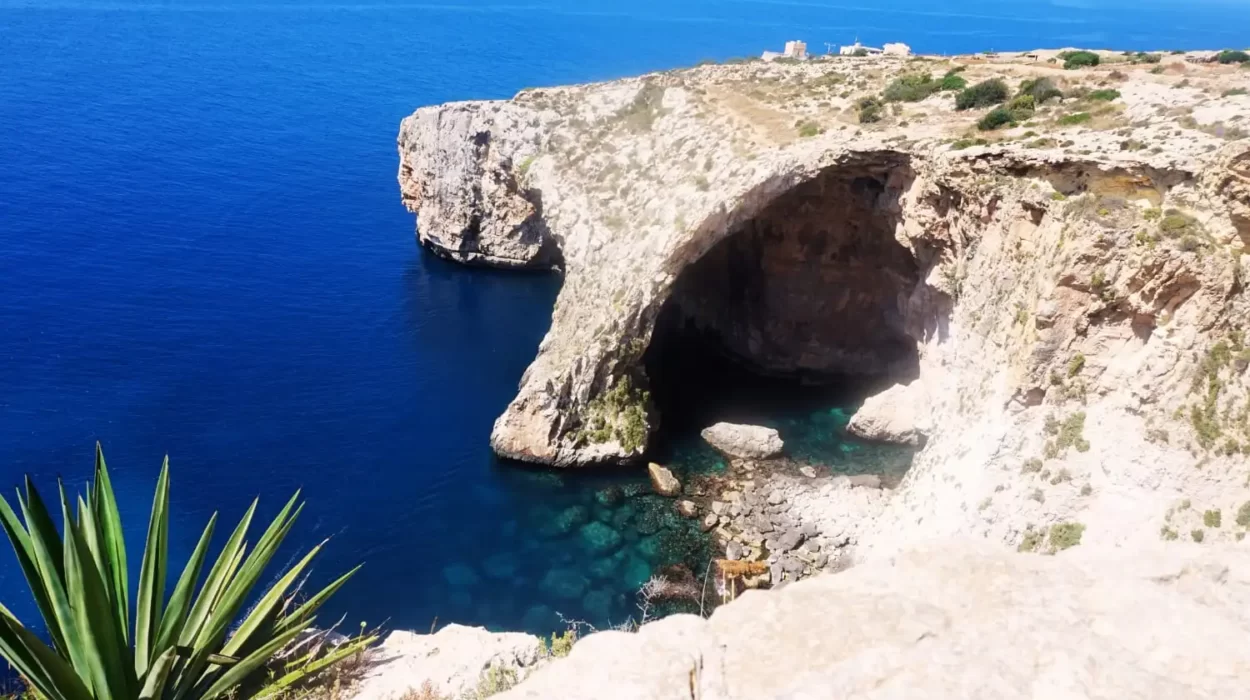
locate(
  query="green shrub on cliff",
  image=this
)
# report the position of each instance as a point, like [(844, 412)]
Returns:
[(1227, 56), (1079, 59), (870, 110), (107, 645), (995, 118), (1041, 89), (911, 88), (617, 414), (983, 94), (1065, 536)]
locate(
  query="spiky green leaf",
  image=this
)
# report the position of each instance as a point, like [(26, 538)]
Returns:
[(152, 576)]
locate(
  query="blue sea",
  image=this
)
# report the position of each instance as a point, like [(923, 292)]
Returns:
[(203, 254)]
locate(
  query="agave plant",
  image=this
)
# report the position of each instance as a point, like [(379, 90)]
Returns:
[(106, 646)]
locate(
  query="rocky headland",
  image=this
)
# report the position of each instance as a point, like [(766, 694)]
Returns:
[(1047, 281)]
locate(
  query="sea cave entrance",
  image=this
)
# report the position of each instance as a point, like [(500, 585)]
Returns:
[(799, 310)]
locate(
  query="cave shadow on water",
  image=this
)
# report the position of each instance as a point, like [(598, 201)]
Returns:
[(695, 384)]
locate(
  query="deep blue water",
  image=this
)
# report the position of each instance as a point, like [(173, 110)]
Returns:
[(202, 253)]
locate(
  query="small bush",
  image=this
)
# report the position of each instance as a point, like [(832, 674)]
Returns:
[(1168, 533), (1087, 490), (1234, 92), (1074, 119), (984, 94), (808, 129), (1198, 535), (1032, 539), (911, 88), (1079, 59), (961, 144), (870, 110), (1143, 57), (1105, 95), (1212, 518), (1227, 56), (1034, 465), (1243, 514), (995, 118), (1076, 364), (1065, 535), (953, 80), (1042, 90)]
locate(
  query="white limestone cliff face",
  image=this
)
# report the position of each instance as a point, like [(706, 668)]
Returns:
[(1072, 302), (954, 619)]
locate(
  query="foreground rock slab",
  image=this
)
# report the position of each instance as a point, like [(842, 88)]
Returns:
[(950, 620), (744, 441), (451, 661)]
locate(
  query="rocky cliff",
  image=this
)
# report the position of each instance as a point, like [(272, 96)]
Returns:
[(956, 620), (1066, 291)]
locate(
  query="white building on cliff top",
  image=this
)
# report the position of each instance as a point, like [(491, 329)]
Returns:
[(794, 49)]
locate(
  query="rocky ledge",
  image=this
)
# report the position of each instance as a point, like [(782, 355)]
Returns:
[(955, 620), (1066, 289)]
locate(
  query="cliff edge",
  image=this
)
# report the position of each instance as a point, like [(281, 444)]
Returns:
[(947, 620)]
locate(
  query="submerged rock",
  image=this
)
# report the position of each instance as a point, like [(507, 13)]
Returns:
[(460, 576), (610, 496), (599, 538), (598, 604), (502, 565), (565, 584), (663, 481), (744, 441)]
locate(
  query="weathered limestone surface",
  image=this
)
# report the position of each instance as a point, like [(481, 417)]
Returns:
[(451, 661), (949, 619), (1072, 301), (955, 620)]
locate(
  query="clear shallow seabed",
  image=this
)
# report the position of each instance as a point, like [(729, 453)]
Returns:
[(202, 253)]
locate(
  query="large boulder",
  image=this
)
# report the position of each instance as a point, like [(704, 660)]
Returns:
[(744, 441), (663, 481), (954, 619), (898, 414)]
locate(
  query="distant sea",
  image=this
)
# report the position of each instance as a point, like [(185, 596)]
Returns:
[(203, 254)]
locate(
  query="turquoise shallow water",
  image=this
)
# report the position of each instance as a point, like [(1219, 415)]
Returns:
[(203, 254)]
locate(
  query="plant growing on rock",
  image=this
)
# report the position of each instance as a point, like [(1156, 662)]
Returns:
[(996, 118), (1065, 536), (870, 110), (1042, 90), (1079, 59), (983, 94), (953, 80), (104, 644), (911, 88), (619, 413), (1074, 119), (1232, 56)]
